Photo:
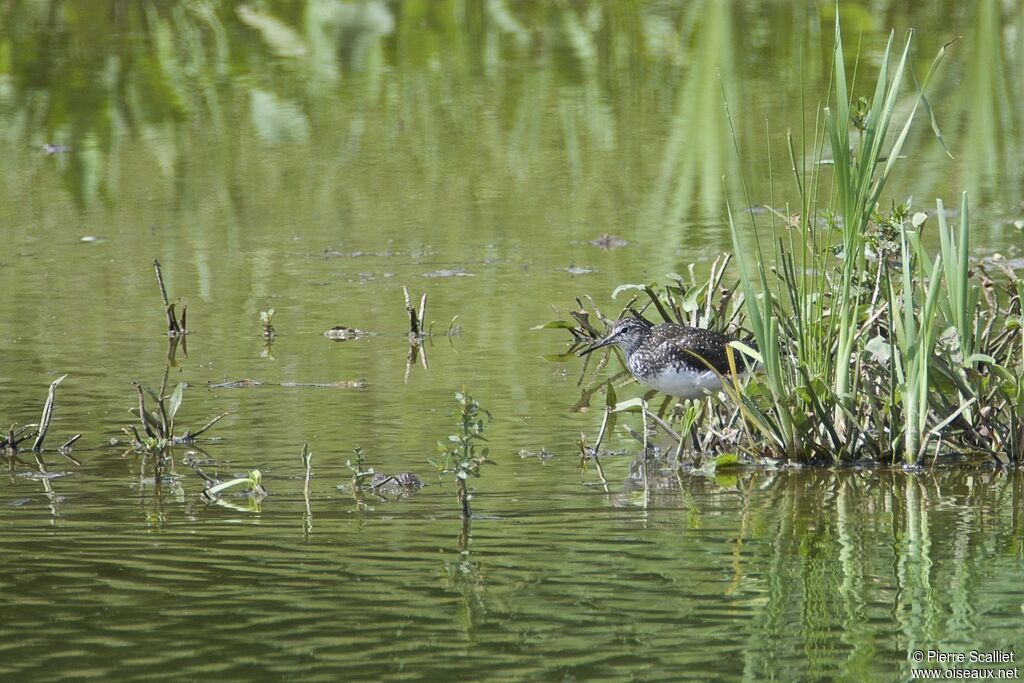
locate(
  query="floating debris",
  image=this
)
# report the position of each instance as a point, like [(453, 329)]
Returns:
[(543, 454), (255, 383), (51, 149), (343, 384), (90, 238), (1000, 261), (578, 270), (395, 486), (343, 333), (449, 272), (43, 475), (251, 484), (331, 252), (607, 242), (236, 384)]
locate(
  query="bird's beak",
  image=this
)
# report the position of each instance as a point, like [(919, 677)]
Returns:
[(597, 345)]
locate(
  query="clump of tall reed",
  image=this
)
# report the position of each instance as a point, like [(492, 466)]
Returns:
[(870, 346), (882, 352)]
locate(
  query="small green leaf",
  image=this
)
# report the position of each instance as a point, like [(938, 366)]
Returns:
[(879, 348), (176, 397), (625, 288), (689, 303), (726, 461)]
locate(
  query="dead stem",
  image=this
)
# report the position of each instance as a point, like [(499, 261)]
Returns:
[(143, 415), (44, 421), (174, 328), (172, 324), (307, 460), (415, 321), (193, 435)]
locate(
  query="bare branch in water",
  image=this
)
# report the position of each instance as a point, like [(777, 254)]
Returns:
[(44, 421)]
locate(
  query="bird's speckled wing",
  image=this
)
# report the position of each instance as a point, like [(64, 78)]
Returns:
[(685, 344)]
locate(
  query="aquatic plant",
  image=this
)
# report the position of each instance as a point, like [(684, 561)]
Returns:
[(417, 327), (158, 426), (267, 319), (417, 333), (10, 442), (360, 472), (459, 453)]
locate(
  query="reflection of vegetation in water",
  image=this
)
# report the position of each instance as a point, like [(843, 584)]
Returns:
[(835, 548), (696, 156), (976, 101), (320, 76), (440, 124)]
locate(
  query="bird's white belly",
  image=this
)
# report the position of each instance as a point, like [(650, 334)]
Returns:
[(685, 384)]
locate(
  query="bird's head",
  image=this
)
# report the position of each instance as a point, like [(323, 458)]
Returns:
[(627, 333)]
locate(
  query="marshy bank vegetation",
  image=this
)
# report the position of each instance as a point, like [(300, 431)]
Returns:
[(870, 348)]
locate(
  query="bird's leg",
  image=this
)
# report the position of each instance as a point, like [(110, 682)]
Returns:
[(694, 432)]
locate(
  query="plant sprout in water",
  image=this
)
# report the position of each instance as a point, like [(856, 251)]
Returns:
[(459, 453)]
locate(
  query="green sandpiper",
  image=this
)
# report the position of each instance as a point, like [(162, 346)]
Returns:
[(686, 362)]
